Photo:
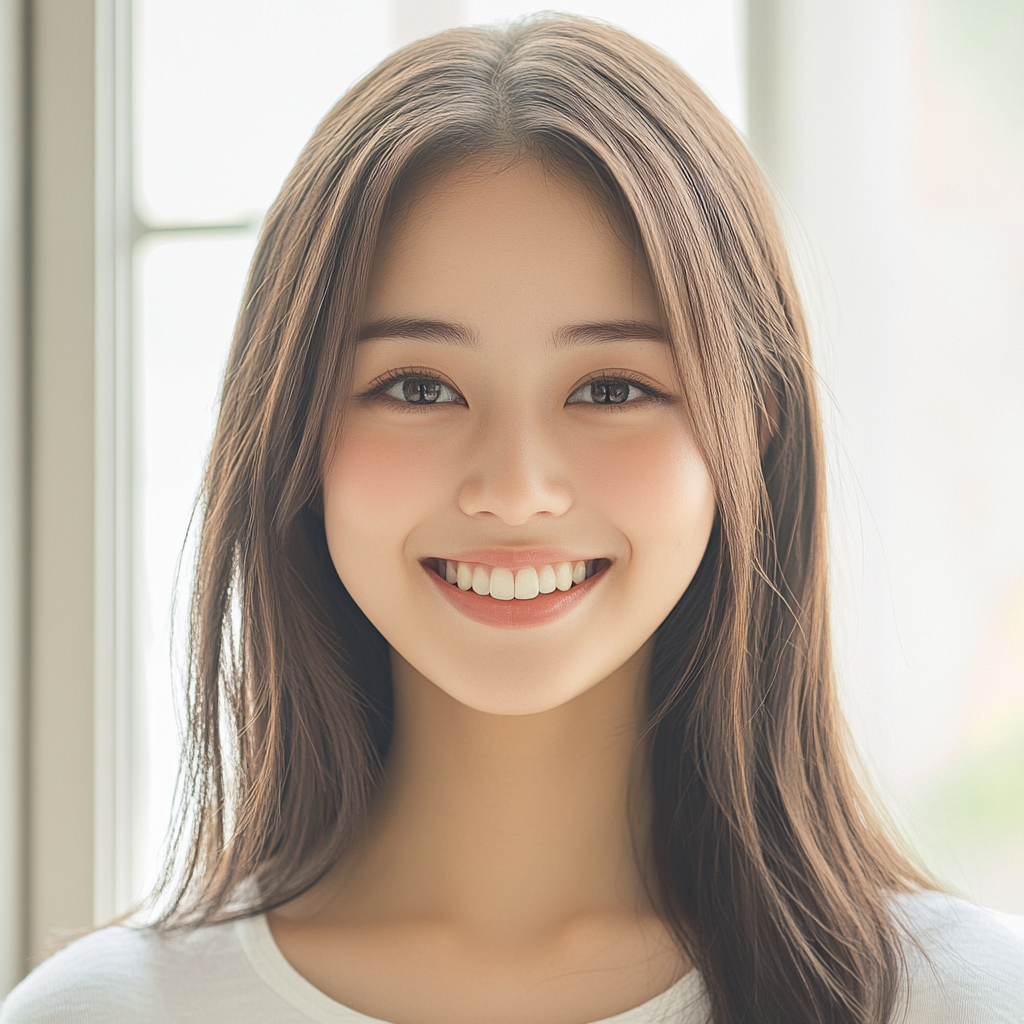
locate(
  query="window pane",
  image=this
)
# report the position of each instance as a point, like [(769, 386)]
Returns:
[(228, 91), (188, 291)]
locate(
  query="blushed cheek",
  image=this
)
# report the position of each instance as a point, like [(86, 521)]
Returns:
[(376, 488), (655, 487)]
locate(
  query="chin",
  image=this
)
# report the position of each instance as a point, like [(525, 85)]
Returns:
[(513, 696), (502, 684)]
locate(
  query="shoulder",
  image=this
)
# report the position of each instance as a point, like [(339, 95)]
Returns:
[(965, 964), (137, 975)]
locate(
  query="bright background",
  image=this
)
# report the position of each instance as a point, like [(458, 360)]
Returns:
[(897, 149)]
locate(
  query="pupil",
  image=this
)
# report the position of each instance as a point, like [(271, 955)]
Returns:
[(609, 392), (421, 392)]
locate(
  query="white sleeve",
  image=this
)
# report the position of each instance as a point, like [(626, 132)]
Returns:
[(966, 966), (141, 976), (92, 981)]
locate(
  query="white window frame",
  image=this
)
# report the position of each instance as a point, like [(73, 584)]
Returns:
[(13, 492), (65, 403)]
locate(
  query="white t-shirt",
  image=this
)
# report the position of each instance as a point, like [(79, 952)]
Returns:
[(232, 972)]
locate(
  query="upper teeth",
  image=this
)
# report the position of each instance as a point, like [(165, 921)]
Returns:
[(506, 584)]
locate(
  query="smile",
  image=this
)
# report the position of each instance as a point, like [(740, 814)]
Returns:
[(527, 595), (523, 584)]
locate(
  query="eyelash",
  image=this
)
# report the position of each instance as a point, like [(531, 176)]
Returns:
[(381, 385)]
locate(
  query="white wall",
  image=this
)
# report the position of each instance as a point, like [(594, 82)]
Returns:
[(899, 152)]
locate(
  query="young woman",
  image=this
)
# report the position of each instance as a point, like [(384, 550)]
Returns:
[(512, 699)]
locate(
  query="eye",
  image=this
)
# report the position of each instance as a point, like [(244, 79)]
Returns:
[(409, 387), (422, 391), (614, 390)]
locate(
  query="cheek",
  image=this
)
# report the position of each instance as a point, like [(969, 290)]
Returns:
[(656, 491), (655, 487), (376, 487)]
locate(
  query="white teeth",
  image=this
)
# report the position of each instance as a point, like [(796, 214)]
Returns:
[(481, 581), (507, 584), (546, 580), (563, 575), (503, 584), (527, 584)]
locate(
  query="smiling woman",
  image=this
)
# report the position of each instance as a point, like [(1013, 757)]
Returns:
[(512, 693)]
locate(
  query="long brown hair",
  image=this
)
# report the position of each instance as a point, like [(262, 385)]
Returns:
[(772, 869)]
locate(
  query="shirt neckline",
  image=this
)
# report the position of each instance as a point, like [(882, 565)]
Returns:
[(269, 963)]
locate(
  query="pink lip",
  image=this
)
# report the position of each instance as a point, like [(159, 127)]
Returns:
[(514, 614), (510, 558)]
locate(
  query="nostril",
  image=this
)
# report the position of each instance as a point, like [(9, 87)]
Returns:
[(513, 498)]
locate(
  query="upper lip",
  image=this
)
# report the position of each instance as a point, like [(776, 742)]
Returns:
[(518, 558)]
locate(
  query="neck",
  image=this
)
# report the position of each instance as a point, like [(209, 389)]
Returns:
[(509, 823)]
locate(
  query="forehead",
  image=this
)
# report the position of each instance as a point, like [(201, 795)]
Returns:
[(509, 180), (498, 237)]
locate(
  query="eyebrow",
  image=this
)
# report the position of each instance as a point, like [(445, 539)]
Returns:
[(570, 336), (422, 330), (607, 330)]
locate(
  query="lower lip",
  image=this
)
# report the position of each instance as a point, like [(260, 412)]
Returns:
[(515, 614)]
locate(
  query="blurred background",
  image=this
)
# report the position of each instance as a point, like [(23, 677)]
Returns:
[(151, 136)]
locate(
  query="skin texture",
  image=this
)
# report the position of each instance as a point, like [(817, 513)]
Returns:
[(498, 879)]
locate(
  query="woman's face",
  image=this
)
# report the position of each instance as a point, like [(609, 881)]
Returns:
[(516, 500)]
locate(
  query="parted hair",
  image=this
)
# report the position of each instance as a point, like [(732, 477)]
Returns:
[(772, 867)]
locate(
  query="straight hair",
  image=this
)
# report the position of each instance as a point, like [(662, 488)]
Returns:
[(773, 869)]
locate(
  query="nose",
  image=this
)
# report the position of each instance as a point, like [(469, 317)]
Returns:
[(515, 476)]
